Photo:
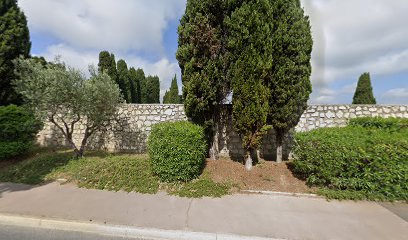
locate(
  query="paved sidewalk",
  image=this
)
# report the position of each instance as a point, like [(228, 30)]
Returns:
[(268, 216)]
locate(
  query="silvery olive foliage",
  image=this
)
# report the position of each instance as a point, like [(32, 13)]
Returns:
[(66, 97)]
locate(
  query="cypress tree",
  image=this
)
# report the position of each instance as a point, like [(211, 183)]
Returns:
[(134, 85), (107, 63), (172, 96), (140, 76), (14, 42), (152, 89), (290, 85), (123, 80), (364, 91), (250, 45), (203, 60)]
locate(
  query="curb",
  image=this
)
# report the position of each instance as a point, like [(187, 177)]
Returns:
[(286, 194), (117, 230)]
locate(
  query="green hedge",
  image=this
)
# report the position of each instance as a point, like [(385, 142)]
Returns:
[(177, 151), (368, 159), (18, 129), (394, 124)]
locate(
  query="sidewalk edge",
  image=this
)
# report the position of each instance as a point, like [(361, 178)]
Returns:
[(117, 230)]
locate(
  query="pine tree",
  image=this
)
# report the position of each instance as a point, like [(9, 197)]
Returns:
[(172, 96), (290, 84), (14, 42), (250, 45), (364, 91)]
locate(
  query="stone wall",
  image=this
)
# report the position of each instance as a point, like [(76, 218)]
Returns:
[(318, 116), (130, 131), (126, 134)]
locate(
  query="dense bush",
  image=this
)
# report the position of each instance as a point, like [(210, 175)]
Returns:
[(18, 129), (368, 159), (177, 150)]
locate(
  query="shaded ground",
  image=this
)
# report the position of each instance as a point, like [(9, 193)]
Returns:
[(266, 176)]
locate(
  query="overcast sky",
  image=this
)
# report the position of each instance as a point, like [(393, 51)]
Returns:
[(350, 37)]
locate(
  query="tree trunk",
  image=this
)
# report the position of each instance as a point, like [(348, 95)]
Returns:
[(214, 145), (279, 146), (248, 161)]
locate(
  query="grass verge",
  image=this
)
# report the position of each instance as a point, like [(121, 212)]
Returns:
[(130, 173)]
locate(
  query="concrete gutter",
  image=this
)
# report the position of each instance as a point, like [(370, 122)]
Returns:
[(117, 230)]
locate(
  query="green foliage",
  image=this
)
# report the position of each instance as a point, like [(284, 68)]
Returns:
[(364, 91), (135, 80), (177, 151), (151, 90), (228, 46), (202, 187), (124, 80), (63, 96), (250, 47), (18, 129), (289, 84), (130, 173), (368, 162), (114, 173), (9, 149), (203, 59), (392, 124), (172, 96), (107, 64), (140, 78), (14, 42)]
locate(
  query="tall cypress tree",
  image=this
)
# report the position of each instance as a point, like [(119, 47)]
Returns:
[(172, 96), (203, 60), (134, 85), (14, 42), (250, 45), (123, 80), (152, 89), (290, 84), (107, 63), (364, 91), (140, 76)]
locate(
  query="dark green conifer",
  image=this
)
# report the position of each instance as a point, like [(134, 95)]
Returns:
[(364, 91), (124, 80), (14, 42), (172, 96), (290, 84)]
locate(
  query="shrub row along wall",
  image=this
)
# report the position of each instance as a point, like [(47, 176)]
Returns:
[(130, 131)]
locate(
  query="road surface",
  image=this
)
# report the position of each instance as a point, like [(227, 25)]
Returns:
[(28, 233)]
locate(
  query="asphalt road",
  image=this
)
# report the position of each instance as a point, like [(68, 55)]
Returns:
[(27, 233)]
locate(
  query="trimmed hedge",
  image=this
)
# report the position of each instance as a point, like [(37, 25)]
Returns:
[(177, 151), (366, 160), (380, 123), (18, 129)]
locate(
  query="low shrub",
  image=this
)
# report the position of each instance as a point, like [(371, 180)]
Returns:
[(363, 159), (18, 129), (177, 151)]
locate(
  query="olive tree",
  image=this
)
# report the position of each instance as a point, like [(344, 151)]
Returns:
[(66, 98)]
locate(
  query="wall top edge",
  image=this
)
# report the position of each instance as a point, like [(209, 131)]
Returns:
[(309, 105)]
